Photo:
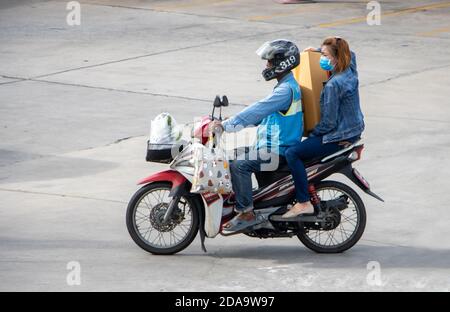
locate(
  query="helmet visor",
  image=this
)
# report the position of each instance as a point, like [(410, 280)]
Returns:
[(265, 51)]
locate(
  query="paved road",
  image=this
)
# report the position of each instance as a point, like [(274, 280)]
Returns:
[(75, 106)]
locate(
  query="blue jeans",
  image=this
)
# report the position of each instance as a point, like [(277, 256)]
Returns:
[(309, 148), (241, 169)]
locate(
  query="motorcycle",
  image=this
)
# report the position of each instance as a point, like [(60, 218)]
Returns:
[(163, 217)]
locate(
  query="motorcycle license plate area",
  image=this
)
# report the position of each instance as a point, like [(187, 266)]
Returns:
[(361, 178)]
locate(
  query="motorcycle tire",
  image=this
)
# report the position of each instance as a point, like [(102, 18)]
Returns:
[(133, 227), (355, 236)]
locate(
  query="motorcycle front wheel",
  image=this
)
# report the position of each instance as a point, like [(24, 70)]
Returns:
[(145, 215), (350, 228)]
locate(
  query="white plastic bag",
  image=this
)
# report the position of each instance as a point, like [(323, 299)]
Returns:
[(164, 131)]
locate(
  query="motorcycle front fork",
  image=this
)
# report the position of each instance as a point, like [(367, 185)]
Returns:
[(173, 203)]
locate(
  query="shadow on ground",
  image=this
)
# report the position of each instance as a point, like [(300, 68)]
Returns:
[(32, 168)]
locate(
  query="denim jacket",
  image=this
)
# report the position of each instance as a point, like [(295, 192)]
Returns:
[(340, 112)]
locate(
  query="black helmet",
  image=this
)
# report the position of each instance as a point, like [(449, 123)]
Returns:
[(283, 54)]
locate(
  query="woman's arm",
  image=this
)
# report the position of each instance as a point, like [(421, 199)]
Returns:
[(312, 49), (329, 111)]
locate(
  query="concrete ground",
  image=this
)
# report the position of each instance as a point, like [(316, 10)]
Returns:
[(75, 107)]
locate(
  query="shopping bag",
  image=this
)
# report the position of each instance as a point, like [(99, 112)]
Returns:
[(211, 169)]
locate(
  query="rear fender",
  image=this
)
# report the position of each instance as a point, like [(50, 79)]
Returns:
[(358, 179)]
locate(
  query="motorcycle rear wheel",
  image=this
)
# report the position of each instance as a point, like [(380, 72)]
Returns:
[(144, 216), (329, 244)]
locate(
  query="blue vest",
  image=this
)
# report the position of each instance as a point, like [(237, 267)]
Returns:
[(280, 130)]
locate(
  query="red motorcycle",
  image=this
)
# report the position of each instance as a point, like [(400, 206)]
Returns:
[(164, 217)]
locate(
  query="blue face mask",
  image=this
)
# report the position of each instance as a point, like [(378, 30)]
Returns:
[(325, 63)]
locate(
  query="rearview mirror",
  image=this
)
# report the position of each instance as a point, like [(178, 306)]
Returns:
[(224, 101), (217, 102)]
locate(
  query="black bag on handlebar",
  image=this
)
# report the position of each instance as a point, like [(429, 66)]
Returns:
[(159, 152)]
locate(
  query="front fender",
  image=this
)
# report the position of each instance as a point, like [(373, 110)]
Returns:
[(171, 176)]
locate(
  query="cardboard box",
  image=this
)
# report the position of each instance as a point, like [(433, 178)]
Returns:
[(311, 77)]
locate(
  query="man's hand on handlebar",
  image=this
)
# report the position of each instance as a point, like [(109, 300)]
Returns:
[(215, 126)]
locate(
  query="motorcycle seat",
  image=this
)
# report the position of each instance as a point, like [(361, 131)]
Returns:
[(341, 152), (313, 161), (285, 168)]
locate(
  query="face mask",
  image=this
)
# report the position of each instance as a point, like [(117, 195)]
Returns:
[(325, 63)]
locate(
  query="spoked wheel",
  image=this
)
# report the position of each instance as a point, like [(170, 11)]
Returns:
[(145, 220), (343, 228)]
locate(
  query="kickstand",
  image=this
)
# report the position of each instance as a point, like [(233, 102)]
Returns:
[(202, 230), (202, 239)]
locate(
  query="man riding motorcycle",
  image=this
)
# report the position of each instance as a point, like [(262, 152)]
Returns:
[(280, 124), (164, 215)]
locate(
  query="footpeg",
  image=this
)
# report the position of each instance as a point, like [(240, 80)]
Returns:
[(300, 218)]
